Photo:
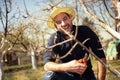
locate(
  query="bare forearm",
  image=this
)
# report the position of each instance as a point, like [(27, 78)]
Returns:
[(102, 70), (72, 66), (52, 66)]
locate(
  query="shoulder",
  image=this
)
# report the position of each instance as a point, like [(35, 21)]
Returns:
[(86, 31), (55, 34), (53, 38), (84, 27)]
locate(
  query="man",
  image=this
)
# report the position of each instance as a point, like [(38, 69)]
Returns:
[(69, 67)]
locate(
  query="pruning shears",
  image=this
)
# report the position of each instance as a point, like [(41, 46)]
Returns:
[(84, 59)]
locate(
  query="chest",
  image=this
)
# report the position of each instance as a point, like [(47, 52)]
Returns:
[(69, 53)]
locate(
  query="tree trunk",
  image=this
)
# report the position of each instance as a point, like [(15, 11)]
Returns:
[(33, 60), (1, 69), (19, 61)]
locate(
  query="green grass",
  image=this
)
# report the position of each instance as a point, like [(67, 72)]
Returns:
[(24, 72), (30, 74)]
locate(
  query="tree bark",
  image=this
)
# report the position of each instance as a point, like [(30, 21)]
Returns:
[(1, 68), (33, 60)]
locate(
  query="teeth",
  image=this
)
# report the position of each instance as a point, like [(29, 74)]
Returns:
[(66, 27)]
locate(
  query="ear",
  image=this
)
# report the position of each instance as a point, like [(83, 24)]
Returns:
[(55, 26)]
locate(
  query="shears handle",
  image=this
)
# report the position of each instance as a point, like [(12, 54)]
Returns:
[(84, 61)]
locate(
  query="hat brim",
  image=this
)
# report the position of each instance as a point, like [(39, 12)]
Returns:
[(67, 10)]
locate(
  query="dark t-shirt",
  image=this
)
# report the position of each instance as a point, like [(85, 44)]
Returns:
[(86, 36)]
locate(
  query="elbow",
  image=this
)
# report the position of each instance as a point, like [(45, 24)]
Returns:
[(46, 67)]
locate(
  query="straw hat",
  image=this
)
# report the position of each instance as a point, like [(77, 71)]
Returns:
[(57, 11)]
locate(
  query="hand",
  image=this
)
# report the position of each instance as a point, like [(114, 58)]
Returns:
[(76, 67)]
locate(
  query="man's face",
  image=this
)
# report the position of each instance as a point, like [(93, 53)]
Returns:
[(64, 21)]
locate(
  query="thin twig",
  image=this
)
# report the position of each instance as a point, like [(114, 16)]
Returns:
[(69, 52), (50, 47)]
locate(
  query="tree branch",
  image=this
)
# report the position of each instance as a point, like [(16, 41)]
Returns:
[(105, 26)]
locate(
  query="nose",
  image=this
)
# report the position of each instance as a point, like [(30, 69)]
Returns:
[(63, 23)]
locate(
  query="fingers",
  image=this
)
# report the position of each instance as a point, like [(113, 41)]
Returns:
[(81, 68), (76, 67)]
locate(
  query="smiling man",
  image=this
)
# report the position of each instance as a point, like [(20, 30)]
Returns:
[(70, 68)]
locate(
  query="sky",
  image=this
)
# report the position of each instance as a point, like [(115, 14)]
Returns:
[(35, 7)]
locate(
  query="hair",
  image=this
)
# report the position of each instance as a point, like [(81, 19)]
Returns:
[(67, 14)]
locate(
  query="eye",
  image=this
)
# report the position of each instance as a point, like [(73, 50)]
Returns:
[(58, 22), (65, 18)]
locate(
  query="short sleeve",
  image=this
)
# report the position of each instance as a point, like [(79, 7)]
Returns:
[(48, 54), (94, 42)]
